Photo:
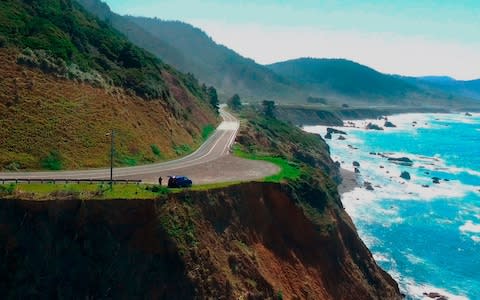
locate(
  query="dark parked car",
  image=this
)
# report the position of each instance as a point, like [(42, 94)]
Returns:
[(179, 182)]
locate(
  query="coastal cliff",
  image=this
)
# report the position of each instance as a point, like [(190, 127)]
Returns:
[(285, 237), (252, 240)]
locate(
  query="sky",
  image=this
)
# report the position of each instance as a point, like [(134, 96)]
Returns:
[(407, 37)]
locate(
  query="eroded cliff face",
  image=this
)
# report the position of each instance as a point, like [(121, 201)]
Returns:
[(251, 241)]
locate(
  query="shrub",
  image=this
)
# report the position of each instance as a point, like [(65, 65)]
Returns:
[(182, 149), (7, 189), (156, 150), (53, 161), (3, 41)]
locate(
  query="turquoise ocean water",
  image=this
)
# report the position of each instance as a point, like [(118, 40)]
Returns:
[(426, 235)]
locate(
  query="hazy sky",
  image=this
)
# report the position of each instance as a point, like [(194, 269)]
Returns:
[(408, 37)]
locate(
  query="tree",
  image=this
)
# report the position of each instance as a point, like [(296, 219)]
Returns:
[(235, 103), (269, 108), (213, 98)]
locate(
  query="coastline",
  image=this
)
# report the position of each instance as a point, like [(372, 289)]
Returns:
[(460, 223)]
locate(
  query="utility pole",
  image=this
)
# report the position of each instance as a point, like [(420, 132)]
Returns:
[(112, 152)]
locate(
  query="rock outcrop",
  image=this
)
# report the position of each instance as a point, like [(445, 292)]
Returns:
[(404, 161), (371, 126), (389, 124), (335, 131)]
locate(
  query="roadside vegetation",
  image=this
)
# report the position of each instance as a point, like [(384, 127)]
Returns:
[(83, 191), (288, 170)]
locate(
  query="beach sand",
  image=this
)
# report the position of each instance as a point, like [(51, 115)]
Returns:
[(349, 181)]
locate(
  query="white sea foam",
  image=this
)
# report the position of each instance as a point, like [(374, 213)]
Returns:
[(381, 257), (471, 227), (414, 259), (475, 238), (417, 291)]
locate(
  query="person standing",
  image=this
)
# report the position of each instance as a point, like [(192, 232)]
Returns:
[(160, 180)]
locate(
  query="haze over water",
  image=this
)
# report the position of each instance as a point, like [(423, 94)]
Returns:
[(427, 238)]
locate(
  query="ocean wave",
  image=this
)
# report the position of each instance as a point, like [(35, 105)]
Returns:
[(405, 190), (470, 227), (414, 259)]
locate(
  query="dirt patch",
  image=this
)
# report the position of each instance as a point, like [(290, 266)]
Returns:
[(224, 169)]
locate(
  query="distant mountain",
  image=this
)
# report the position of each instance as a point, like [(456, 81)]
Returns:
[(192, 50), (298, 81), (344, 78), (465, 88)]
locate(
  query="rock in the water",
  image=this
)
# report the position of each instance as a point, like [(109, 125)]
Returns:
[(373, 153), (368, 186), (389, 124), (335, 131), (405, 175), (371, 126), (436, 296), (382, 167), (425, 186), (357, 171), (341, 138), (436, 180), (404, 161), (356, 164), (328, 136), (468, 114)]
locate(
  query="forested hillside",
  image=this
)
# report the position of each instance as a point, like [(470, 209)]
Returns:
[(192, 50)]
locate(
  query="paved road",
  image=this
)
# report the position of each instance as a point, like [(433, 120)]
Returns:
[(206, 165)]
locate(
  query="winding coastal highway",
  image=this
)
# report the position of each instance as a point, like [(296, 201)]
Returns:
[(211, 162)]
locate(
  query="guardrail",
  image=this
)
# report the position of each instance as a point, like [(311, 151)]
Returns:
[(66, 181)]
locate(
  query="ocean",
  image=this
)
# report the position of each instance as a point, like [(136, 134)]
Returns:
[(425, 234)]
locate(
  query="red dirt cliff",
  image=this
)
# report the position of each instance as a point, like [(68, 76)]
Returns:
[(250, 241)]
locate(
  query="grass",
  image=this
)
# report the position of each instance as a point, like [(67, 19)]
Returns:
[(207, 131), (288, 170), (85, 191)]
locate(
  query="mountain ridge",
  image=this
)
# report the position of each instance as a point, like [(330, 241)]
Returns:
[(191, 50)]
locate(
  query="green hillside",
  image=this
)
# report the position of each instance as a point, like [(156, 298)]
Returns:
[(301, 81), (343, 77), (191, 50), (70, 37), (67, 78)]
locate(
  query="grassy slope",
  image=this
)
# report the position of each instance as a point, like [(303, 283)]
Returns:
[(284, 144), (42, 112)]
